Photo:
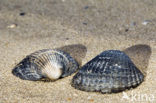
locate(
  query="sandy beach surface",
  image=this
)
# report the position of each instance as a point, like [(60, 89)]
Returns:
[(83, 28)]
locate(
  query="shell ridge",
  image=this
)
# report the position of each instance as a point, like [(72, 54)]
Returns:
[(111, 71), (24, 72), (31, 67)]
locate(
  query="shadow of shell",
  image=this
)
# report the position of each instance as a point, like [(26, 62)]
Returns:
[(77, 51), (140, 55)]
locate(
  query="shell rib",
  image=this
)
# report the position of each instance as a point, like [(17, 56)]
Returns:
[(47, 63), (111, 71)]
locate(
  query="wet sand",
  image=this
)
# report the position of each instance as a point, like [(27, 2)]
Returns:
[(84, 29)]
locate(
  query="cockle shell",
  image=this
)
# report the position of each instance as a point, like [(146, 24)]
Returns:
[(110, 71), (46, 63)]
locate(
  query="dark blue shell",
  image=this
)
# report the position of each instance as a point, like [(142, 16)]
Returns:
[(30, 68), (110, 71)]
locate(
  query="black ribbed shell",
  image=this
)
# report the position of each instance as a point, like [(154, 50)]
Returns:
[(111, 71), (30, 67)]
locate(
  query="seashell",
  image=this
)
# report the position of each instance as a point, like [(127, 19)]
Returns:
[(47, 63), (110, 71)]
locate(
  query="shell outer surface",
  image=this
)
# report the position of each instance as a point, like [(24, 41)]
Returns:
[(31, 67), (111, 71)]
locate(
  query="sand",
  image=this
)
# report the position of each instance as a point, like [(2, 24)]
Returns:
[(84, 28)]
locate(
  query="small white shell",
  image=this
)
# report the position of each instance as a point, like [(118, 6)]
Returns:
[(145, 22), (47, 63)]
